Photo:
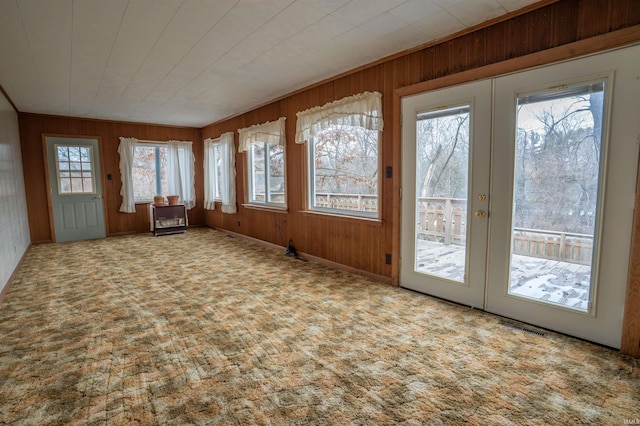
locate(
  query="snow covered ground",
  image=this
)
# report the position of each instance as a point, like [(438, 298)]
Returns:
[(548, 280)]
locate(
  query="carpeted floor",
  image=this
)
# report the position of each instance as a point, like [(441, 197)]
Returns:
[(202, 328)]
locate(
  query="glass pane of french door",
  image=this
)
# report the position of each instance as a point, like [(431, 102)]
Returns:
[(442, 165), (556, 191)]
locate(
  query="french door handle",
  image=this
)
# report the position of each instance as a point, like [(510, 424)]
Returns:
[(481, 214), (98, 197)]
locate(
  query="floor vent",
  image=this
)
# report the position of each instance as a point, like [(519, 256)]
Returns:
[(521, 328)]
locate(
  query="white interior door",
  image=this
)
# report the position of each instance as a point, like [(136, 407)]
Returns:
[(565, 159), (559, 145), (76, 188), (445, 175)]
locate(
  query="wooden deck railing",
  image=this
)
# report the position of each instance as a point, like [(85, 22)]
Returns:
[(564, 246), (357, 202), (444, 220)]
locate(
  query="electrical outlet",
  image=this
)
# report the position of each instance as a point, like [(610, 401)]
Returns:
[(387, 258)]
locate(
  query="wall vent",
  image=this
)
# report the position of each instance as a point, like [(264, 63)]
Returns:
[(521, 328)]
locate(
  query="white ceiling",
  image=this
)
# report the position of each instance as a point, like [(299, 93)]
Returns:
[(195, 62)]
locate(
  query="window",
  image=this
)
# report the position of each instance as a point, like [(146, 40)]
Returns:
[(343, 171), (266, 173), (343, 154), (216, 173), (220, 173), (265, 148), (149, 169), (149, 172), (74, 166)]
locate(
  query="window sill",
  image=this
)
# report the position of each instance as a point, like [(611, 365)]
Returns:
[(268, 208), (374, 221)]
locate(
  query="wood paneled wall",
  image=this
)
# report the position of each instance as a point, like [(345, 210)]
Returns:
[(34, 126), (362, 244)]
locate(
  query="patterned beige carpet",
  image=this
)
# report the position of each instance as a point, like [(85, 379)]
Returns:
[(202, 328)]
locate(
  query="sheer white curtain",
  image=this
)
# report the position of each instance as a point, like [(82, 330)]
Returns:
[(271, 132), (181, 172), (227, 173), (127, 149), (361, 110)]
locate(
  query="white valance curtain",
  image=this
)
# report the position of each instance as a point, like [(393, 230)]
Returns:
[(271, 132), (181, 172), (227, 173), (127, 149), (361, 110)]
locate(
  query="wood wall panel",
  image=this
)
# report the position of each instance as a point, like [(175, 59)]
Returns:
[(34, 126), (597, 17), (631, 325)]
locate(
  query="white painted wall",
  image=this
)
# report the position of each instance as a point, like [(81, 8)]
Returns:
[(14, 226)]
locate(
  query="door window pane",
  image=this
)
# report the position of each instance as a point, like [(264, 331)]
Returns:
[(74, 169), (442, 166), (555, 200)]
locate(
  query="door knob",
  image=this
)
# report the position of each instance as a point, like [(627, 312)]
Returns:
[(482, 197), (481, 213), (98, 197)]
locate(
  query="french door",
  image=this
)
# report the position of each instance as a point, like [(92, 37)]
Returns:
[(518, 193), (445, 178)]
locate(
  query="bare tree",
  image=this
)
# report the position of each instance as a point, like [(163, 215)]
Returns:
[(346, 160), (442, 151), (557, 165)]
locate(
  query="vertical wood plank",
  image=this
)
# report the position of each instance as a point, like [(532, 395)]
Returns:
[(630, 343)]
